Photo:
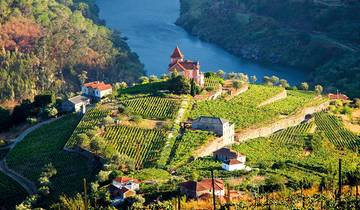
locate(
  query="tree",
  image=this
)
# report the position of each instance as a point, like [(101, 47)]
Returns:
[(165, 77), (304, 86), (193, 87), (5, 119), (108, 120), (153, 78), (51, 112), (180, 85), (82, 139), (83, 77), (253, 79), (95, 146), (318, 89), (243, 77), (174, 73), (231, 75), (267, 81), (137, 202), (357, 102), (144, 79), (284, 83), (45, 99), (275, 80), (236, 84), (220, 73)]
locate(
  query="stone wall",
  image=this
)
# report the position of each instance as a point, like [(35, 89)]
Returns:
[(256, 132), (278, 97)]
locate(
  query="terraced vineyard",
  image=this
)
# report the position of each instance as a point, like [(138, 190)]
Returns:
[(142, 145), (293, 135), (154, 107), (212, 82), (335, 131), (243, 110), (91, 119)]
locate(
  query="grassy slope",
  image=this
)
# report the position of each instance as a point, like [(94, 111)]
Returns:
[(243, 110), (11, 193), (45, 145)]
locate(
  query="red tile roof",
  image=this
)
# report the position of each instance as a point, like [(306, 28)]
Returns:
[(233, 162), (229, 153), (177, 53), (203, 185), (338, 96), (98, 85), (126, 179)]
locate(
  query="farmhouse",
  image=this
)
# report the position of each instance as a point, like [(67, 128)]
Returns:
[(75, 104), (122, 188), (96, 90), (194, 189), (188, 68), (231, 160), (219, 126)]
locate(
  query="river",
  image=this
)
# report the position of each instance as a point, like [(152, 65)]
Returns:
[(152, 34)]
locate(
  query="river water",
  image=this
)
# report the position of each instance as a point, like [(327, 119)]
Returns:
[(152, 34)]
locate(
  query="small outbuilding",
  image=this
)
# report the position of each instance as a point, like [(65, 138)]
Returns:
[(203, 188), (75, 104), (231, 160)]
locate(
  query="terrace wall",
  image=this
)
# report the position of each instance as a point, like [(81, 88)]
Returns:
[(256, 132)]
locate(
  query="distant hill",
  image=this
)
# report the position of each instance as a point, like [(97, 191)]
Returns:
[(56, 45), (321, 36)]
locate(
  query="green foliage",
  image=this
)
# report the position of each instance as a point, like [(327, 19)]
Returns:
[(142, 145), (11, 192), (45, 145), (283, 32), (153, 174), (244, 110), (5, 119), (44, 100), (48, 45), (187, 144), (153, 107), (335, 131)]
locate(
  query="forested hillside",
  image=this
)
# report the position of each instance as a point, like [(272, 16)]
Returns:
[(56, 45), (320, 36)]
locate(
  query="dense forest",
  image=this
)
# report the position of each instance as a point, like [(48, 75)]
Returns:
[(319, 36), (57, 44)]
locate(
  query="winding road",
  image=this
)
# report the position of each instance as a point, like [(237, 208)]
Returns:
[(28, 185)]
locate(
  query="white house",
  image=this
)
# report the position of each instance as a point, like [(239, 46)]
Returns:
[(122, 188), (233, 165), (231, 160), (129, 183), (75, 104), (96, 89)]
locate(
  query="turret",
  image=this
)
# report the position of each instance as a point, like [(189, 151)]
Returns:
[(176, 56)]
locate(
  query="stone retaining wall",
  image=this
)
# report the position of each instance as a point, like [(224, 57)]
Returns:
[(256, 132)]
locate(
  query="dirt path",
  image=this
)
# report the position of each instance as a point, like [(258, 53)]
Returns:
[(28, 185)]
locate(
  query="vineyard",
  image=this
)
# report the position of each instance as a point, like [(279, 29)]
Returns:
[(142, 145), (335, 131), (293, 135), (187, 144), (212, 82), (92, 118), (153, 107), (45, 145), (11, 192), (243, 110)]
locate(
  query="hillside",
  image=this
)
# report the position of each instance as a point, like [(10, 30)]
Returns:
[(321, 37), (47, 45)]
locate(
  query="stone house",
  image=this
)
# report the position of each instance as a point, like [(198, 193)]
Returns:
[(194, 189), (122, 188), (219, 126)]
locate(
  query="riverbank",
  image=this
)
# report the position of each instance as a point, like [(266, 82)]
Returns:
[(152, 34), (279, 32)]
